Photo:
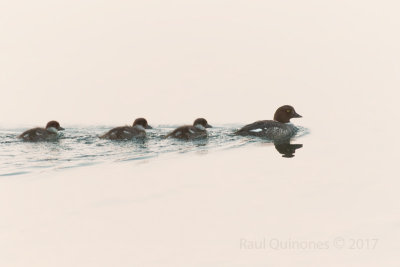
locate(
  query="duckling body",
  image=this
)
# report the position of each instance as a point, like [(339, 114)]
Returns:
[(49, 133), (137, 130), (187, 132)]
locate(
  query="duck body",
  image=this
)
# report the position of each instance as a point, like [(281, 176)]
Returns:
[(124, 132), (50, 133), (269, 129), (137, 130), (188, 132), (277, 129)]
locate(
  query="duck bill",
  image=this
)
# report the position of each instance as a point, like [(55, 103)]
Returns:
[(295, 115), (208, 126), (61, 129), (149, 127)]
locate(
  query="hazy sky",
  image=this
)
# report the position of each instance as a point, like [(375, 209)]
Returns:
[(172, 61)]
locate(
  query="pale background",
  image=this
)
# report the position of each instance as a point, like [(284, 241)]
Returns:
[(107, 62)]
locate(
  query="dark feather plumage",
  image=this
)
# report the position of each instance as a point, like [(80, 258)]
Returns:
[(187, 132), (124, 132), (38, 134), (197, 130), (268, 129)]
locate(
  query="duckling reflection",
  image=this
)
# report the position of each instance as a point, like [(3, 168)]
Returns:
[(287, 149)]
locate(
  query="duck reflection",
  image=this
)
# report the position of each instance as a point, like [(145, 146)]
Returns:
[(287, 149)]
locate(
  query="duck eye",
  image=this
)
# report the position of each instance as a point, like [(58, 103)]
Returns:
[(288, 110)]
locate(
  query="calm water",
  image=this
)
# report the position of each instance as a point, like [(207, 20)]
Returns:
[(80, 146)]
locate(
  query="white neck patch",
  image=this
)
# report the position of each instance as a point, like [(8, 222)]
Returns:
[(139, 127), (200, 127), (52, 130)]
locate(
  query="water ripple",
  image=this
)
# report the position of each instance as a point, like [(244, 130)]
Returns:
[(81, 147)]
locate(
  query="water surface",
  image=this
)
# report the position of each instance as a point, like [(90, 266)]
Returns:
[(80, 146)]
